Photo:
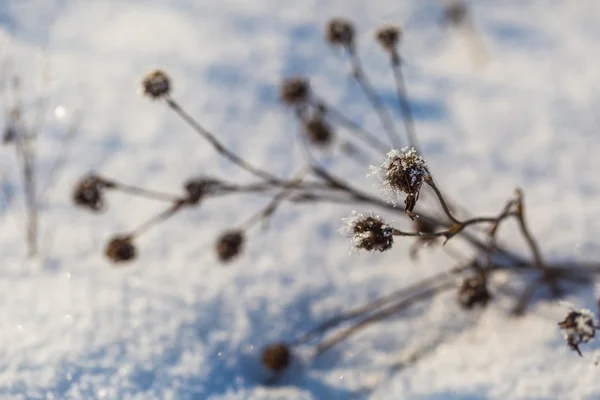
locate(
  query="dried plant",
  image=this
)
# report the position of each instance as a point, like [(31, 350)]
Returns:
[(22, 134), (403, 173)]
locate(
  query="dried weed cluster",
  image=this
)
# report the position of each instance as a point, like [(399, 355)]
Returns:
[(402, 174)]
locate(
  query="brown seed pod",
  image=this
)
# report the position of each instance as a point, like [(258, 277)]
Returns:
[(156, 84), (473, 292), (578, 327), (229, 245), (9, 134), (120, 249), (455, 13), (276, 357), (388, 37), (89, 194), (318, 132), (368, 232), (402, 172), (340, 32), (295, 91)]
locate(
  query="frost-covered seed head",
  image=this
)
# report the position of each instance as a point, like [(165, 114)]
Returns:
[(388, 37), (368, 232), (473, 292), (578, 327), (294, 91), (120, 249), (156, 84), (229, 245), (196, 189), (276, 357), (402, 172), (318, 131), (88, 193), (340, 32)]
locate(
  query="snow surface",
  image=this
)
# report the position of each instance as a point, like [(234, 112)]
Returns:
[(176, 325)]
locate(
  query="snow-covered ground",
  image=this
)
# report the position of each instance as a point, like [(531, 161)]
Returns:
[(176, 324)]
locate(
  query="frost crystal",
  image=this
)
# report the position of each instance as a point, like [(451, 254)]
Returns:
[(368, 232), (402, 172), (578, 327)]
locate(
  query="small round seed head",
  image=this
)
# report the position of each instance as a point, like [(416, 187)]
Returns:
[(294, 91), (276, 357), (89, 193), (455, 13), (120, 249), (368, 232), (473, 292), (402, 172), (156, 85), (196, 189), (578, 327), (340, 32), (318, 132), (388, 37), (229, 245), (9, 134)]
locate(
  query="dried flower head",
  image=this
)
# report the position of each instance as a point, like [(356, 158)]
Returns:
[(294, 91), (196, 189), (156, 84), (89, 193), (120, 249), (276, 357), (578, 327), (229, 245), (318, 131), (9, 134), (368, 232), (402, 172), (455, 13), (340, 32), (473, 292), (388, 37)]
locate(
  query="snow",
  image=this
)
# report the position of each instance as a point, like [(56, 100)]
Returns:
[(176, 324)]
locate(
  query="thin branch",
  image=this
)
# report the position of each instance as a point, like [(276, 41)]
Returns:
[(361, 77), (407, 115), (380, 315), (360, 132), (220, 148)]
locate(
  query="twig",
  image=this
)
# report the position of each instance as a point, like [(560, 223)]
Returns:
[(403, 102), (360, 132), (380, 315), (376, 103)]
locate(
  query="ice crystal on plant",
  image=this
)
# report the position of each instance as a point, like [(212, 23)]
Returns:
[(368, 231)]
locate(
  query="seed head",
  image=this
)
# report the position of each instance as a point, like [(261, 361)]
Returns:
[(318, 131), (578, 327), (340, 32), (473, 292), (196, 189), (9, 134), (368, 232), (294, 91), (402, 172), (89, 193), (276, 357), (156, 85), (455, 13), (388, 37), (229, 245), (120, 249)]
